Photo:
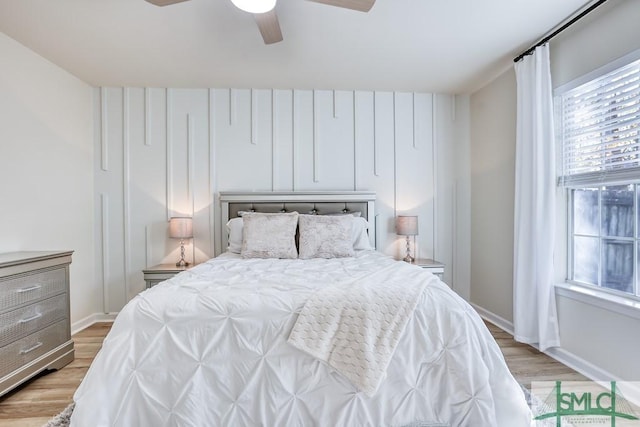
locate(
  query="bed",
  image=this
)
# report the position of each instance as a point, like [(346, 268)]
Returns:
[(357, 339)]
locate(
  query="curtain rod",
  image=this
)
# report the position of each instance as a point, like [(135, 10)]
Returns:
[(559, 30)]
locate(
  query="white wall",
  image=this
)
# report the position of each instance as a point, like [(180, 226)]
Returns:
[(46, 155), (612, 32), (461, 218), (601, 342), (493, 139), (163, 152)]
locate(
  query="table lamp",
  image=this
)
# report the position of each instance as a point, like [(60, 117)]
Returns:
[(181, 228), (407, 226)]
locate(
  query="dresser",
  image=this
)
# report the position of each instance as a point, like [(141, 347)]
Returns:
[(35, 331)]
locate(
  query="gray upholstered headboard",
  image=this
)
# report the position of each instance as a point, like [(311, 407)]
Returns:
[(302, 202)]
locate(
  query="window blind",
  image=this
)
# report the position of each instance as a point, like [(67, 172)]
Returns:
[(600, 129)]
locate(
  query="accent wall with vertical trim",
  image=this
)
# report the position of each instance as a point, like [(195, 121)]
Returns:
[(168, 152)]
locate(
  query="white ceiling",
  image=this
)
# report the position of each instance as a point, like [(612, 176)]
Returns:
[(453, 46)]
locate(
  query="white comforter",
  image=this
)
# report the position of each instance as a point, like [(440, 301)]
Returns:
[(209, 348)]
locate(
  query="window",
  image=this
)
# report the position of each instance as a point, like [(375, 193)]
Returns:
[(600, 133)]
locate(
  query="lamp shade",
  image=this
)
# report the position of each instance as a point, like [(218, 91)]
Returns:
[(180, 228), (255, 6), (407, 225)]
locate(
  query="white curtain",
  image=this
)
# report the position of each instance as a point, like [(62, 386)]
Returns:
[(534, 305)]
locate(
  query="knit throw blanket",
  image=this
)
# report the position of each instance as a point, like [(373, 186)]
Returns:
[(355, 327)]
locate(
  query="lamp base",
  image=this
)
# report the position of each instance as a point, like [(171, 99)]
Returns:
[(182, 263), (408, 258)]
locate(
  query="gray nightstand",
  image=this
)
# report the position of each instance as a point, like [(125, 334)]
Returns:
[(434, 267), (161, 272)]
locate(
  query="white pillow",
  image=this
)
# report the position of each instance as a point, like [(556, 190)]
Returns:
[(324, 236), (234, 231), (269, 235), (359, 235)]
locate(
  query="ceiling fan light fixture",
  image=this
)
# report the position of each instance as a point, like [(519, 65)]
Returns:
[(254, 6)]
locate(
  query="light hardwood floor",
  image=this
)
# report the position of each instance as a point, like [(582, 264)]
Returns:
[(35, 402), (528, 364)]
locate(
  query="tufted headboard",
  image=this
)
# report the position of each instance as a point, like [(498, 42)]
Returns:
[(302, 202)]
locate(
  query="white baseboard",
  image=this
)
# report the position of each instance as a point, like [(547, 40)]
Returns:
[(81, 324), (594, 373), (500, 322), (563, 356), (576, 363)]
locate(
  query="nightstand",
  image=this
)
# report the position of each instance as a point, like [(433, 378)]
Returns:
[(161, 272), (434, 267)]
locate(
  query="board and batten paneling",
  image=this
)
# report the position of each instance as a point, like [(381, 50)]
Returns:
[(168, 152)]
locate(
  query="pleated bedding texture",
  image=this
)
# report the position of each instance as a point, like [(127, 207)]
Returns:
[(209, 348)]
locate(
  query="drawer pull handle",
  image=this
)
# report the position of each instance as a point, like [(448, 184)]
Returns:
[(29, 319), (29, 289), (30, 349)]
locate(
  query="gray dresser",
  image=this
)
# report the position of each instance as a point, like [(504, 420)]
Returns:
[(35, 331)]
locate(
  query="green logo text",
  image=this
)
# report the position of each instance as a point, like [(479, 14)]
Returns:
[(607, 404)]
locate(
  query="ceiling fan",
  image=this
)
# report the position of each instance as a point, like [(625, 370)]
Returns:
[(265, 14)]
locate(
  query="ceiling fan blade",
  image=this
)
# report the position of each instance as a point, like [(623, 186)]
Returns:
[(164, 2), (269, 26), (361, 5)]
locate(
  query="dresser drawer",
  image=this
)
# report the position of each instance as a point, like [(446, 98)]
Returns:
[(19, 323), (29, 348), (19, 290)]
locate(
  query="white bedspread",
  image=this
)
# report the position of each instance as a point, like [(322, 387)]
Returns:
[(209, 348), (355, 326)]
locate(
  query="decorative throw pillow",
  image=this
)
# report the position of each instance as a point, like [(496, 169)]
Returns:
[(325, 236), (269, 235)]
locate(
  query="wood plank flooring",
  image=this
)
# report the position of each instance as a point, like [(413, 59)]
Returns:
[(35, 402), (528, 364)]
